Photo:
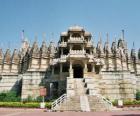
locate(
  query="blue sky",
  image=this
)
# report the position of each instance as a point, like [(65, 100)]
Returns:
[(54, 16)]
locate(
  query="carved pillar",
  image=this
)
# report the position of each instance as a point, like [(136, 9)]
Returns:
[(93, 68), (83, 48), (61, 67), (71, 70), (85, 68)]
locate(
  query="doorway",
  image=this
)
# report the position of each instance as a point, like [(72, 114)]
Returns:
[(77, 71)]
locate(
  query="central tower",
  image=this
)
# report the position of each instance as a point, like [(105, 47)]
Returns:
[(76, 45)]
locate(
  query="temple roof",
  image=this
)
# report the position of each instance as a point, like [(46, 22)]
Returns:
[(76, 28)]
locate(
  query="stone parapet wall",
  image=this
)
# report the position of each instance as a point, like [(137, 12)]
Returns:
[(118, 85), (10, 82), (31, 82)]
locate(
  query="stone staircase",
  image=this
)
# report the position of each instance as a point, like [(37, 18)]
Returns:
[(86, 98), (97, 104)]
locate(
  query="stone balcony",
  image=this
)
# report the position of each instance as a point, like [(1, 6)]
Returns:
[(63, 44), (89, 44), (77, 53), (63, 58), (76, 40)]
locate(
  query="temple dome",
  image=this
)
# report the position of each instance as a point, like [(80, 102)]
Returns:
[(76, 28)]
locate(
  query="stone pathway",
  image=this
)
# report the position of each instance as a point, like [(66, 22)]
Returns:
[(41, 112)]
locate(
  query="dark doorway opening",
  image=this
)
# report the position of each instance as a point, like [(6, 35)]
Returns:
[(97, 69), (77, 71)]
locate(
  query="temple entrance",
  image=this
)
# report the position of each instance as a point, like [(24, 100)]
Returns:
[(97, 69), (77, 71)]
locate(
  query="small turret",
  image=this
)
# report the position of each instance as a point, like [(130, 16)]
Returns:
[(35, 50), (34, 57), (7, 57), (44, 50), (15, 57), (15, 62), (25, 43), (7, 61), (133, 52), (99, 48), (52, 49), (44, 60), (1, 59), (1, 56), (107, 49)]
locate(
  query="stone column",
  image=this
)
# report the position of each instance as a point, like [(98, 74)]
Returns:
[(83, 48), (71, 70), (93, 68), (85, 68), (61, 67), (70, 47)]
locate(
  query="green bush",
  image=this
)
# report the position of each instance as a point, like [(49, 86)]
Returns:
[(24, 105), (127, 102), (115, 102), (30, 99), (10, 96), (138, 95)]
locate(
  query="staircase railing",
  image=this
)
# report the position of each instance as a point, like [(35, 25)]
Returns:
[(58, 101), (109, 103)]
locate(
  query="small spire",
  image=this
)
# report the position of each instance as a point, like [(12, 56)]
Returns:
[(107, 37), (122, 34), (44, 37), (22, 36), (36, 38), (100, 38), (52, 37), (133, 45)]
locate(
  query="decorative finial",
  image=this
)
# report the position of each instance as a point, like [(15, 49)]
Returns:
[(133, 45), (100, 38), (123, 34), (44, 37), (52, 34), (35, 38), (22, 36)]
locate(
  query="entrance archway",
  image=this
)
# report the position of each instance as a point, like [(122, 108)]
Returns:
[(77, 71)]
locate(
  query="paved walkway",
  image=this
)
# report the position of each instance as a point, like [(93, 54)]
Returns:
[(41, 112)]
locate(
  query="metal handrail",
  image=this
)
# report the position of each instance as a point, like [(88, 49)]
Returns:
[(58, 101), (105, 100)]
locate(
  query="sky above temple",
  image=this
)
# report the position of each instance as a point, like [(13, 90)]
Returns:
[(51, 17)]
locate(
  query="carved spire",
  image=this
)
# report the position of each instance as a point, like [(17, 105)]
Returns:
[(133, 52), (123, 35), (44, 49), (114, 46), (52, 48), (99, 45), (15, 57), (7, 57), (35, 49), (1, 56), (25, 43), (107, 46)]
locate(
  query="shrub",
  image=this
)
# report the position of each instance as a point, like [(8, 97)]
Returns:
[(138, 95), (128, 102), (115, 102), (10, 96), (24, 105)]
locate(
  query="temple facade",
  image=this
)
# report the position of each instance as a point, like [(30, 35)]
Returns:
[(75, 66)]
